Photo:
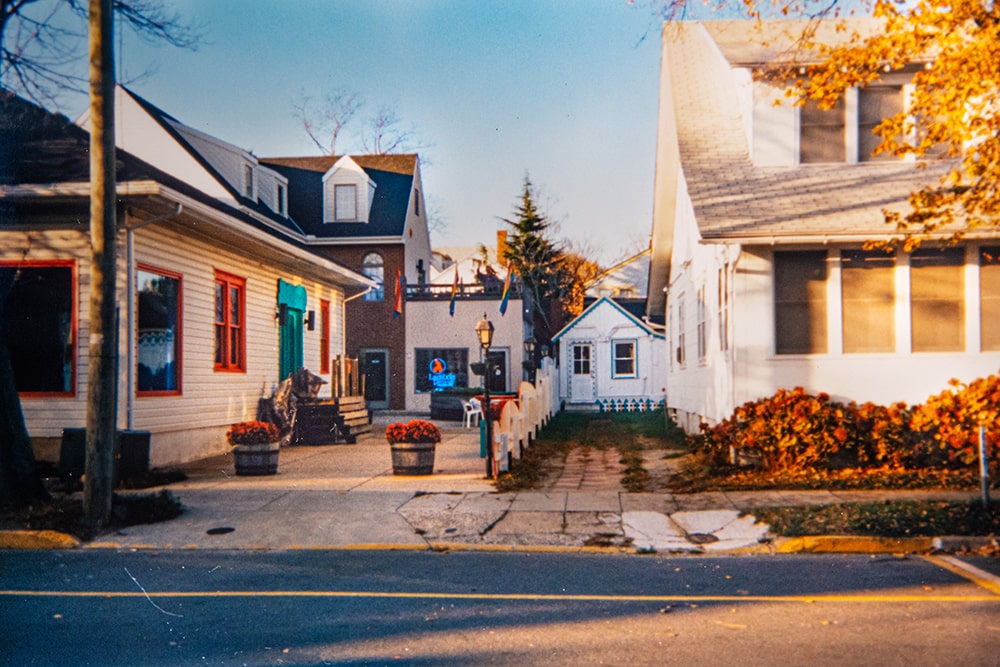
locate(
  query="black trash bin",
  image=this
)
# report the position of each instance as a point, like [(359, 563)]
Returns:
[(131, 455)]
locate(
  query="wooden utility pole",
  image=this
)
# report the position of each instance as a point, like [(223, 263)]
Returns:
[(102, 373)]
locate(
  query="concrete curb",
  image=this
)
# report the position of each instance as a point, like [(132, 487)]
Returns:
[(50, 539), (37, 539), (854, 544)]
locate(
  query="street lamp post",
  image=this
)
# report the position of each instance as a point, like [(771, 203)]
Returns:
[(529, 358), (484, 331)]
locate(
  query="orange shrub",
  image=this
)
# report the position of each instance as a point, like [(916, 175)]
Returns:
[(950, 420)]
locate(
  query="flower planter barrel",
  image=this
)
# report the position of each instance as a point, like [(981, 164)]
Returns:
[(257, 459), (412, 458)]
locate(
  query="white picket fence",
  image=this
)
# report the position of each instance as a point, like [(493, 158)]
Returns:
[(521, 418)]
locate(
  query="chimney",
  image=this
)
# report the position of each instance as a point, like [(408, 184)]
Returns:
[(501, 246)]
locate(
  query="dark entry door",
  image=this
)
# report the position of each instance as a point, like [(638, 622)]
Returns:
[(498, 366), (375, 367)]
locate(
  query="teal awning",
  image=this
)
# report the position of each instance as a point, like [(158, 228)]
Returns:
[(293, 296)]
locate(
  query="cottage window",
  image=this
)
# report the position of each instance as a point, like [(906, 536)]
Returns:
[(937, 303), (989, 298), (868, 298), (39, 323), (821, 133), (324, 336), (230, 322), (800, 302), (624, 361), (373, 267), (158, 331), (346, 202), (581, 360)]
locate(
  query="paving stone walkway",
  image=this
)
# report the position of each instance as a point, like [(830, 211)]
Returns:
[(589, 469)]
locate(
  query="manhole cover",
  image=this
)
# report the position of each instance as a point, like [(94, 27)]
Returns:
[(702, 538), (221, 530)]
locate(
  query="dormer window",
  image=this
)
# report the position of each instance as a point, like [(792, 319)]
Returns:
[(876, 103), (281, 200), (346, 202), (248, 181), (821, 133)]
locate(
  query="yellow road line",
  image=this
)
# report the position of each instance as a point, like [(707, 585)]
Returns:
[(981, 578), (868, 598)]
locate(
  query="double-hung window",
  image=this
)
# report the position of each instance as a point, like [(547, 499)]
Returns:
[(868, 298), (800, 302), (230, 322), (158, 331), (989, 298), (624, 358), (39, 322), (345, 202), (937, 299)]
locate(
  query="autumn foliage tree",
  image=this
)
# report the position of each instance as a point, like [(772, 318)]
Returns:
[(953, 109)]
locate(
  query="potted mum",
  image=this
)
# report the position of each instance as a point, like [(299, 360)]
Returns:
[(256, 445), (412, 446)]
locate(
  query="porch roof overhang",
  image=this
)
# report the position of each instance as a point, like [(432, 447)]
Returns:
[(238, 227)]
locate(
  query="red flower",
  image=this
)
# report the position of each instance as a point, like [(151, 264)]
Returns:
[(252, 433), (417, 430)]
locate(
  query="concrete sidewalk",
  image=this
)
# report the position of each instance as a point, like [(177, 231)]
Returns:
[(345, 496)]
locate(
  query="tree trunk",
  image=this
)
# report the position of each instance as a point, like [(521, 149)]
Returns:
[(103, 343)]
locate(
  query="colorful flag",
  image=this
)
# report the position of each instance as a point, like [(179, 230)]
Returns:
[(506, 291), (454, 293), (397, 307)]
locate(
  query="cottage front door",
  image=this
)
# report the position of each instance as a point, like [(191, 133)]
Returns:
[(375, 368), (581, 374)]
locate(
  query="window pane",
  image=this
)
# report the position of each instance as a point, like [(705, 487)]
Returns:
[(346, 202), (234, 348), (875, 104), (800, 302), (822, 133), (38, 323), (868, 300), (937, 304), (436, 369), (373, 267), (989, 298), (220, 344), (234, 307), (158, 332)]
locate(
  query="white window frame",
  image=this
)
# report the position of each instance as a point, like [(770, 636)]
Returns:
[(341, 203), (634, 357)]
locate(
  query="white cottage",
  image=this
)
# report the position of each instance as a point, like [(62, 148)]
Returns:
[(610, 360), (761, 213)]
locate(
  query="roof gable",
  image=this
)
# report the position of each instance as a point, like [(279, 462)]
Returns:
[(605, 302)]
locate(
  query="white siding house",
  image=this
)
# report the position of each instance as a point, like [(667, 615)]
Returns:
[(761, 213), (610, 360), (203, 267)]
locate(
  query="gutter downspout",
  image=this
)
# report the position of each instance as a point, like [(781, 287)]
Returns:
[(131, 316)]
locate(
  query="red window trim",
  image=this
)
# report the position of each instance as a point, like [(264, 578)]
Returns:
[(74, 304), (229, 280), (179, 342), (324, 336)]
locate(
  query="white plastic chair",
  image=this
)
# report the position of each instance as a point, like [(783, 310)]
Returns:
[(473, 412)]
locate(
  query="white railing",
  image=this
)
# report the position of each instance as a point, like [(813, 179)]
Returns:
[(520, 419)]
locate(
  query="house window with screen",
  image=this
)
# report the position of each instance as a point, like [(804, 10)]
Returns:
[(868, 298), (624, 358), (989, 298), (346, 202), (248, 181), (937, 299), (800, 302), (158, 331), (876, 103), (39, 322), (821, 133), (230, 325), (581, 360), (372, 266), (440, 368)]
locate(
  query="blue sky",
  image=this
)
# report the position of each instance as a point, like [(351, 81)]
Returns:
[(565, 91)]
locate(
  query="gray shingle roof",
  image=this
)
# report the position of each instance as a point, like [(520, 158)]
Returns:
[(732, 198)]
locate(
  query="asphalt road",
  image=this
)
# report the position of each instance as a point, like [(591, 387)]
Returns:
[(474, 608)]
